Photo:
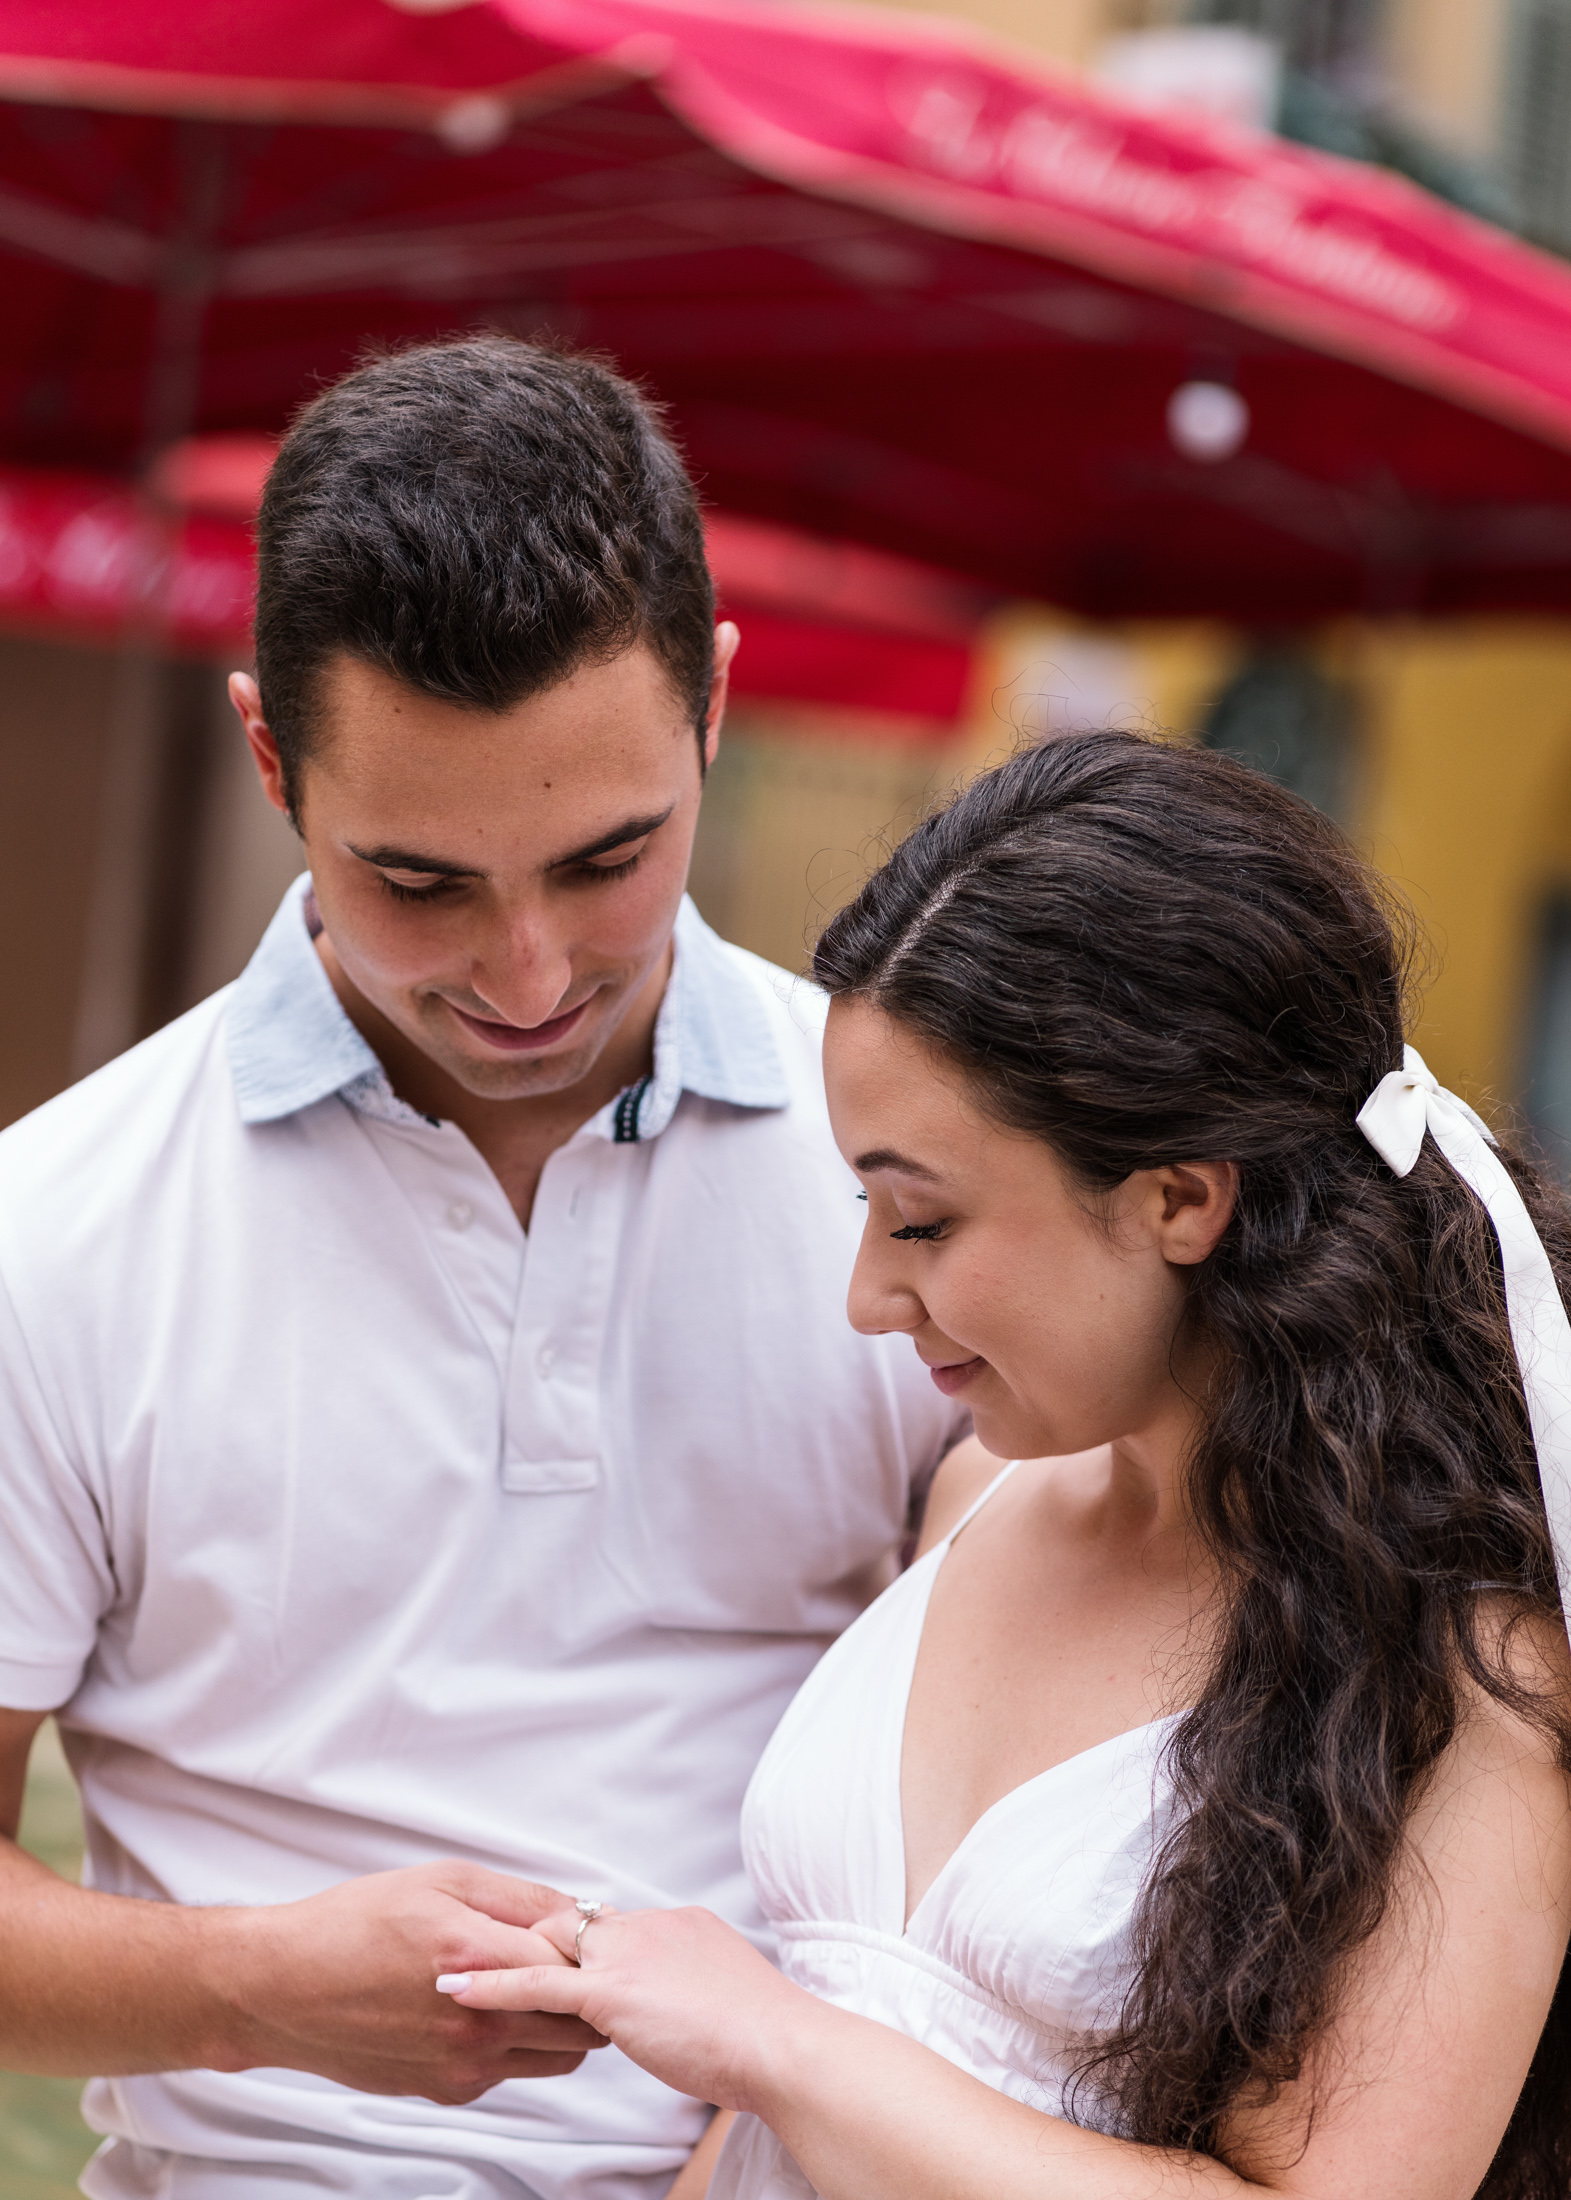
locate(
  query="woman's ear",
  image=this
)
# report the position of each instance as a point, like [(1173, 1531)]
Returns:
[(1198, 1198)]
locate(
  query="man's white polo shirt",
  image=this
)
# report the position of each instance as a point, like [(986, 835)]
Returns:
[(353, 1530)]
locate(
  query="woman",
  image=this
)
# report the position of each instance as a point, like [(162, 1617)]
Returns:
[(1202, 1784)]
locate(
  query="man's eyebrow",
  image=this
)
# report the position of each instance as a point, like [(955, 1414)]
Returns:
[(410, 859), (885, 1157), (406, 859), (633, 828)]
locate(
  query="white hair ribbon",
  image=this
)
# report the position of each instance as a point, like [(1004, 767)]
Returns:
[(1394, 1118)]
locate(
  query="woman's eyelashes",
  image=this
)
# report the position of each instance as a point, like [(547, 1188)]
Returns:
[(925, 1230)]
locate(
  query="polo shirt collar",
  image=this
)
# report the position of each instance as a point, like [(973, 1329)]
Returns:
[(291, 1045), (712, 1037)]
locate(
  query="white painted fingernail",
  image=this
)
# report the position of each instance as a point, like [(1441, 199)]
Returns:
[(455, 1982)]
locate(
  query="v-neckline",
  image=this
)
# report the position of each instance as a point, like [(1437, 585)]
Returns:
[(939, 1553)]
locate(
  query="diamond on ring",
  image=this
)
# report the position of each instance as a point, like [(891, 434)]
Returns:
[(587, 1913)]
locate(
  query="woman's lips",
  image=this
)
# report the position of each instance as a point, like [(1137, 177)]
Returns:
[(520, 1038), (956, 1375)]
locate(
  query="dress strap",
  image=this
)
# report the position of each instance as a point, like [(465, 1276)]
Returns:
[(974, 1508)]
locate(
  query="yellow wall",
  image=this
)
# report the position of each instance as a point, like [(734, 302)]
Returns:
[(1462, 792), (1447, 58), (1039, 671), (800, 805), (1064, 30), (1468, 808)]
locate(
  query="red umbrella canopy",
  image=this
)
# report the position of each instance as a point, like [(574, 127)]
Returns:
[(895, 284)]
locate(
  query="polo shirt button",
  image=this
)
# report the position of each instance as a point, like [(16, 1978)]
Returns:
[(460, 1214), (546, 1359)]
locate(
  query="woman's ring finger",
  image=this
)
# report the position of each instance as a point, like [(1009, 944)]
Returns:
[(587, 1913)]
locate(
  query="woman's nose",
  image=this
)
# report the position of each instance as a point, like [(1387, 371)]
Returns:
[(879, 1302)]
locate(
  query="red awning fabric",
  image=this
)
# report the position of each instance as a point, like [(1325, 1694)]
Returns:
[(896, 284), (823, 622)]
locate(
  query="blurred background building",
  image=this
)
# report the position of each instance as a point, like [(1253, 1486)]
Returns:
[(142, 861), (1444, 743)]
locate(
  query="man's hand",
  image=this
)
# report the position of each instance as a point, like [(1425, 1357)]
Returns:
[(343, 1984)]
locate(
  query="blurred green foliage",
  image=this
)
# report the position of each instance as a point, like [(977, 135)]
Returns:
[(43, 2140)]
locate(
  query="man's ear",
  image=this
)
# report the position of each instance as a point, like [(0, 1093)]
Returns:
[(727, 641), (247, 699), (1198, 1198)]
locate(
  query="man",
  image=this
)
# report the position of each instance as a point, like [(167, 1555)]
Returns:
[(431, 1447)]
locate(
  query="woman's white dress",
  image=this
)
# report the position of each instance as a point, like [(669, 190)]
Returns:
[(1018, 1949)]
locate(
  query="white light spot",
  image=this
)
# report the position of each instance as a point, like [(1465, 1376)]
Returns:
[(1207, 421), (474, 125)]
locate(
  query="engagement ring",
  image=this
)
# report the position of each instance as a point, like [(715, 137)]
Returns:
[(587, 1913)]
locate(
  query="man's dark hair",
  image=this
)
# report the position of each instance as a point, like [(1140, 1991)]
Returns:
[(478, 519)]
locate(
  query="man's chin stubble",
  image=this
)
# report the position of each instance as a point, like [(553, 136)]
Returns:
[(525, 1076), (520, 1078)]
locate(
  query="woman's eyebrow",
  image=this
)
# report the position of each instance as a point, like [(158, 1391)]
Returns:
[(885, 1157)]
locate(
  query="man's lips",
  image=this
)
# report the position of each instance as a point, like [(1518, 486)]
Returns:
[(519, 1038), (955, 1375)]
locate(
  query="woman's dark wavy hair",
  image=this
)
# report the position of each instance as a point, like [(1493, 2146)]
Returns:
[(1145, 954)]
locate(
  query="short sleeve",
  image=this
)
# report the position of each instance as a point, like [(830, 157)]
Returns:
[(55, 1577)]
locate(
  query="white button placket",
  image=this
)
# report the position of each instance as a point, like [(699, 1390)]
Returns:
[(551, 1442), (474, 1233)]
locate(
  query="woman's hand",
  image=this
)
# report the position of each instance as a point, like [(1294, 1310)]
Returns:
[(680, 1993)]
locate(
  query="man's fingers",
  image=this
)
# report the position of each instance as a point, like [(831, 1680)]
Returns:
[(510, 1901), (536, 1987), (489, 1946), (550, 2066), (562, 1932), (534, 2032)]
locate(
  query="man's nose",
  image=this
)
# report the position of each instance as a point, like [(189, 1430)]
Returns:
[(520, 969)]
